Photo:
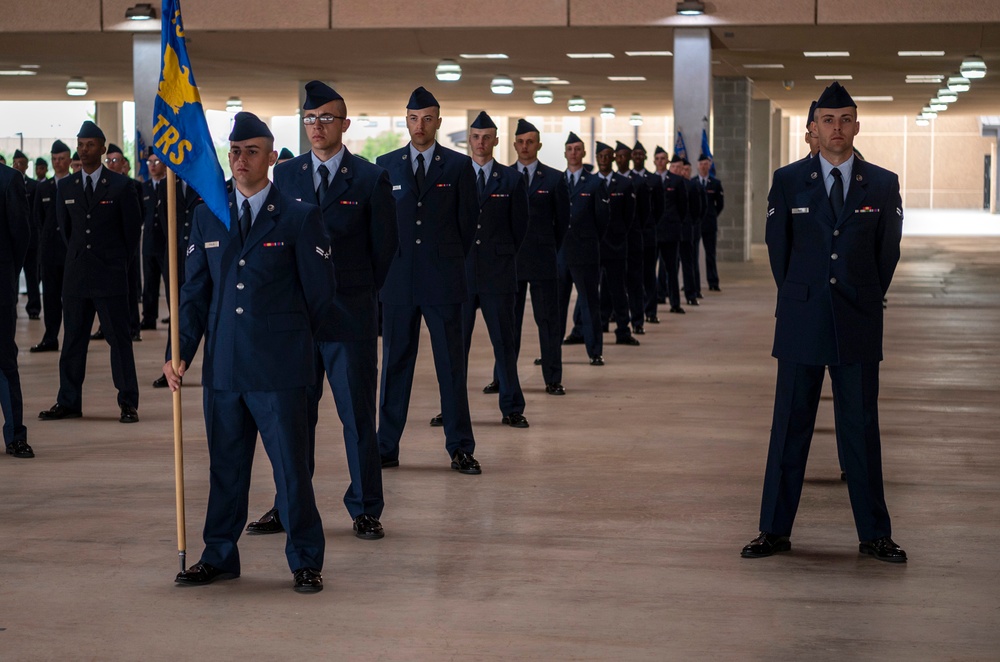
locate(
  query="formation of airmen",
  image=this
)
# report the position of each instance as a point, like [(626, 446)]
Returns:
[(319, 262)]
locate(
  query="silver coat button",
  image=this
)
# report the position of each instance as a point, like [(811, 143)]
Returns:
[(478, 241), (240, 286), (833, 257), (833, 281), (242, 263), (420, 222), (239, 311), (836, 233), (418, 241)]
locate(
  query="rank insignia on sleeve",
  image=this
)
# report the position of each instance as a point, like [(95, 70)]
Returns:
[(770, 212), (190, 249), (325, 254)]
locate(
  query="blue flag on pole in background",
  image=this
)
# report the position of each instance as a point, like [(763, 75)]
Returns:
[(180, 132), (707, 151), (142, 168), (679, 148)]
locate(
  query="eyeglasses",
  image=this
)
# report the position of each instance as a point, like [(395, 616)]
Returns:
[(113, 159), (309, 120), (153, 162)]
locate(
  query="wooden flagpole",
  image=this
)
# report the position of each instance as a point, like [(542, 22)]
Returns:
[(175, 360)]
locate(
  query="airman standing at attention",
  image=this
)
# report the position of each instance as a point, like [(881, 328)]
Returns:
[(51, 249)]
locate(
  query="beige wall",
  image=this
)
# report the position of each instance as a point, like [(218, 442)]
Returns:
[(939, 166)]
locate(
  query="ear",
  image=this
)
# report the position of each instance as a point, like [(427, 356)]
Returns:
[(272, 158), (347, 124)]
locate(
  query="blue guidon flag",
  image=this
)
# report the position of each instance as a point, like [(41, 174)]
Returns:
[(707, 151), (180, 132), (679, 148)]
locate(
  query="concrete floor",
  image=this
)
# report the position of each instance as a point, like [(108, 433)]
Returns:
[(610, 529)]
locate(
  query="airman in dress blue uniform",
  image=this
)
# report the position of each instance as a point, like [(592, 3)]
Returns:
[(97, 211), (580, 255), (436, 211), (359, 213), (490, 267), (51, 249), (548, 200), (833, 232), (258, 292), (714, 199), (670, 234), (642, 238), (15, 235), (34, 304)]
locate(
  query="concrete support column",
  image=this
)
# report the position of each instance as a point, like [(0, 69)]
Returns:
[(108, 116), (761, 165), (145, 81), (731, 150), (304, 144), (692, 85)]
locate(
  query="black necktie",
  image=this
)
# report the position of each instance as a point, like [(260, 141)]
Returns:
[(324, 183), (245, 216), (481, 183), (89, 192), (572, 182), (527, 177), (419, 174), (837, 193)]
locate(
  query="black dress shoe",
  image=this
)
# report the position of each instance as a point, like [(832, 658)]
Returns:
[(639, 331), (693, 302), (843, 476), (57, 413), (661, 299), (161, 382), (605, 328), (597, 360), (884, 549), (129, 414), (367, 527), (699, 296), (148, 325), (136, 337), (388, 463), (555, 389), (652, 319), (766, 544), (515, 420), (677, 310), (45, 346), (492, 387), (464, 463), (308, 580), (164, 320), (538, 361), (99, 335), (20, 448), (627, 340), (269, 523), (714, 288), (203, 574), (437, 421), (573, 339)]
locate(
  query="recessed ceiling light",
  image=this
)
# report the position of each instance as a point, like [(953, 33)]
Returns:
[(763, 66), (502, 85), (484, 56), (626, 79), (590, 56), (542, 96), (973, 67), (826, 53), (873, 98), (923, 78), (920, 53), (17, 72), (649, 53), (836, 77)]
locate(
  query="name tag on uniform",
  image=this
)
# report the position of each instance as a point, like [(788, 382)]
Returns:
[(46, 199), (298, 199), (69, 201), (800, 210), (210, 244), (397, 187)]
